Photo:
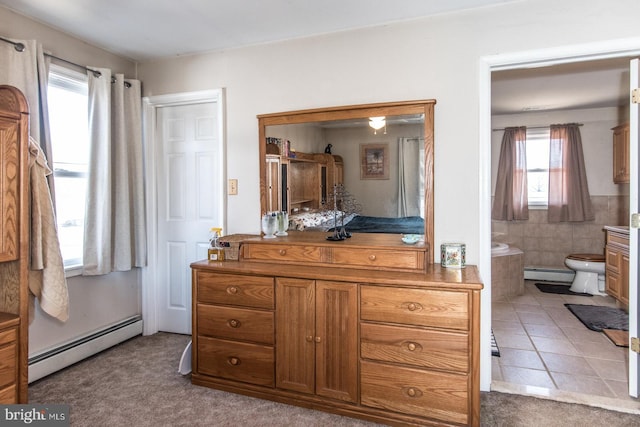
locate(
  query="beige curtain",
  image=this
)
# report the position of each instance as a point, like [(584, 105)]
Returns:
[(569, 198), (511, 201), (115, 229)]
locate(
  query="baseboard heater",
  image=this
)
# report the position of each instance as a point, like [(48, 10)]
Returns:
[(51, 361), (548, 274)]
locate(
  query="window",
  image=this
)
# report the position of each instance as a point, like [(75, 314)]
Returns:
[(538, 166), (68, 120)]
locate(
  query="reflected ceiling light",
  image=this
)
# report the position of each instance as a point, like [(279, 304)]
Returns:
[(377, 123)]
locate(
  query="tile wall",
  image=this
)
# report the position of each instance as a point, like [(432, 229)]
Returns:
[(547, 245)]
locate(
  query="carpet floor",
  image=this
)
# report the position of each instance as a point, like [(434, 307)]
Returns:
[(137, 384)]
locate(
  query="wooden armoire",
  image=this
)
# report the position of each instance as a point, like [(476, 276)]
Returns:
[(14, 245)]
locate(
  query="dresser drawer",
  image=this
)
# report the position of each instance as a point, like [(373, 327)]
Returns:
[(8, 367), (249, 363), (412, 260), (428, 394), (8, 336), (8, 395), (235, 323), (283, 253), (419, 347), (245, 291), (420, 307)]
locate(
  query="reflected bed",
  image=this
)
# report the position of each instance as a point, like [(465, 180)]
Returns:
[(324, 221)]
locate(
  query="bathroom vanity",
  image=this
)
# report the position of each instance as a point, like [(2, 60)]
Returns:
[(617, 264)]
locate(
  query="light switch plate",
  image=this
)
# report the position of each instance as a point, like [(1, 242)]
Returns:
[(233, 187)]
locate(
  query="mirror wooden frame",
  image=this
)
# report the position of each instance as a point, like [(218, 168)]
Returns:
[(425, 107)]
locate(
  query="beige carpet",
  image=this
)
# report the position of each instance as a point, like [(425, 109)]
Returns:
[(137, 384)]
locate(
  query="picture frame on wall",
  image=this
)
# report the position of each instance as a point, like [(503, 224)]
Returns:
[(374, 161)]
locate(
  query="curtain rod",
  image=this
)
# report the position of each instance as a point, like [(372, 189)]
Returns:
[(535, 127), (20, 47)]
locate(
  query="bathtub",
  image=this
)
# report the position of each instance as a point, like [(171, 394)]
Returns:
[(507, 271)]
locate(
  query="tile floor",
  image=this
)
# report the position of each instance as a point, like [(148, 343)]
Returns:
[(544, 346)]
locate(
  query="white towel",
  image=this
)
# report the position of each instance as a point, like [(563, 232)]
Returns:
[(47, 281)]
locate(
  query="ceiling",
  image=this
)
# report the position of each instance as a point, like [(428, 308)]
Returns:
[(579, 85), (143, 30), (147, 29)]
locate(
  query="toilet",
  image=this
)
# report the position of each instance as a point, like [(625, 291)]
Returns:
[(589, 270)]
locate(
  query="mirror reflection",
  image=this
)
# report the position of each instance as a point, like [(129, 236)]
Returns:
[(368, 173), (369, 167)]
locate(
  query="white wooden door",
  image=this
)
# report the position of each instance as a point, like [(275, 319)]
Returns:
[(634, 252), (189, 202)]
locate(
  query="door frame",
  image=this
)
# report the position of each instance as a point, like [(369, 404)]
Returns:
[(150, 105), (509, 61)]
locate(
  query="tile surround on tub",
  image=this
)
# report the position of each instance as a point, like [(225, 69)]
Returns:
[(546, 244)]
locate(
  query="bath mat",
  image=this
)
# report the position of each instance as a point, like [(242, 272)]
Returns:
[(554, 288), (619, 338), (495, 351), (597, 318)]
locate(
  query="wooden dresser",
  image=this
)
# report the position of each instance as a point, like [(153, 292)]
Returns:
[(14, 245), (341, 327)]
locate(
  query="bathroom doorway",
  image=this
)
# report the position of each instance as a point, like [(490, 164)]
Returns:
[(543, 335)]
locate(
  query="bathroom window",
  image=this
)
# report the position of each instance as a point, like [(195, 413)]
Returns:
[(68, 121), (538, 166)]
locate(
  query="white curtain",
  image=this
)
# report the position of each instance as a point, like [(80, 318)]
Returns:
[(410, 177), (115, 238), (29, 71)]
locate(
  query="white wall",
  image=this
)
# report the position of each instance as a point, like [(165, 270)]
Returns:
[(427, 58), (346, 143), (95, 302), (440, 57)]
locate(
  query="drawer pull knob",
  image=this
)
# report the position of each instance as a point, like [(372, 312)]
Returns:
[(283, 252), (232, 290), (412, 346), (309, 338), (234, 323), (372, 257), (413, 392), (318, 339), (413, 306), (234, 361)]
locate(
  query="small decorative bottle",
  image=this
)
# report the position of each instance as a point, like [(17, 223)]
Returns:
[(215, 252)]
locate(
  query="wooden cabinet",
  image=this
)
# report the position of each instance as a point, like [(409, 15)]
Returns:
[(317, 337), (416, 359), (617, 264), (306, 181), (233, 327), (373, 251), (9, 333), (303, 180), (398, 347), (14, 245), (621, 154), (274, 183)]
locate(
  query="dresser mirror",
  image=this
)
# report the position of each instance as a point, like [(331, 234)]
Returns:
[(359, 147)]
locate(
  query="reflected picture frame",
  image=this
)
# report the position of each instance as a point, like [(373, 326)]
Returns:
[(374, 161)]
